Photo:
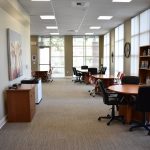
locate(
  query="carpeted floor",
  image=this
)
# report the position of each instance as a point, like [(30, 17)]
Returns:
[(66, 119)]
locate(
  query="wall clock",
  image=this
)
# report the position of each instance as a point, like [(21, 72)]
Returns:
[(127, 49)]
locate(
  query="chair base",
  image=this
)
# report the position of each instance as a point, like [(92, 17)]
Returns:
[(141, 125), (118, 118)]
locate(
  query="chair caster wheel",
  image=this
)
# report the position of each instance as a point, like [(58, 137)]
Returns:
[(108, 123), (108, 116), (148, 133), (99, 119), (130, 129)]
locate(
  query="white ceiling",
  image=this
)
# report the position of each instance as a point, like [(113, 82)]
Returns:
[(70, 18)]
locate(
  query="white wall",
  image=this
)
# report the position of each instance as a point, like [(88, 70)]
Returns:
[(9, 20)]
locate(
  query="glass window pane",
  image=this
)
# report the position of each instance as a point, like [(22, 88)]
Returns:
[(44, 55), (92, 41), (58, 72), (78, 41), (92, 61), (57, 51), (77, 51), (57, 61), (78, 61), (44, 67)]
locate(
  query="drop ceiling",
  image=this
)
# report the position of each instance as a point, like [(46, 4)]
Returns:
[(74, 19)]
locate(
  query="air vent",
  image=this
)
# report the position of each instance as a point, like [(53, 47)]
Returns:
[(80, 4)]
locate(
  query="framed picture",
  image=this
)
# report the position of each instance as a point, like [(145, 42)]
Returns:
[(14, 48)]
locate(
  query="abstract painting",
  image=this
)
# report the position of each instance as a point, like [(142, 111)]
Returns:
[(14, 54)]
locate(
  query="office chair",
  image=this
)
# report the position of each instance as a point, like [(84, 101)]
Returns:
[(110, 99), (130, 80), (84, 67), (77, 74), (103, 70), (142, 104), (119, 78)]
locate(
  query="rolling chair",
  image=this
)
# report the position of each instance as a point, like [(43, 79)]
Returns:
[(102, 70), (84, 67), (130, 80), (110, 98), (142, 104), (77, 74)]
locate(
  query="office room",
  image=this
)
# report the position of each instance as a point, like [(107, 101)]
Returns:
[(44, 104)]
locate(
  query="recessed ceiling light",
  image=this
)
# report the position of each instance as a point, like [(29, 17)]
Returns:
[(104, 17), (89, 33), (54, 33), (95, 27), (47, 17), (51, 27), (40, 0), (123, 1)]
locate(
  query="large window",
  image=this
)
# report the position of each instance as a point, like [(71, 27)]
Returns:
[(134, 45), (106, 55), (119, 48), (140, 36), (86, 51), (51, 54)]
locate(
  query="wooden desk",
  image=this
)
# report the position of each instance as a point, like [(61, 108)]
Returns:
[(107, 79), (127, 110), (21, 103)]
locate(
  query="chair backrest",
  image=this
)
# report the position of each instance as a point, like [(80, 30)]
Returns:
[(92, 71), (102, 70), (130, 80), (84, 67), (104, 92), (74, 70), (143, 99)]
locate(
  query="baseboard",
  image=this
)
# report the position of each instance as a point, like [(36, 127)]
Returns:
[(3, 121), (68, 77)]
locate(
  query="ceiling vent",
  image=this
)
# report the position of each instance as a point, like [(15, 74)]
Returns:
[(80, 4)]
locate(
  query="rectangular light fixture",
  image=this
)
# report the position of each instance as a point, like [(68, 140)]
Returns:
[(122, 1), (40, 0), (47, 17), (89, 33), (54, 33), (95, 27), (105, 17), (51, 27)]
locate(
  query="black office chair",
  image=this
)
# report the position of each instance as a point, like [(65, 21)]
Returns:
[(130, 80), (84, 67), (102, 70), (142, 104), (92, 71), (77, 74), (110, 99)]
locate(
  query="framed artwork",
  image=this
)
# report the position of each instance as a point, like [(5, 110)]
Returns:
[(14, 48)]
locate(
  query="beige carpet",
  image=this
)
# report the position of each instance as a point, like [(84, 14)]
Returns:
[(66, 119)]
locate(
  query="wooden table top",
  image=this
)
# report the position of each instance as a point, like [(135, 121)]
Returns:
[(102, 76), (125, 88)]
